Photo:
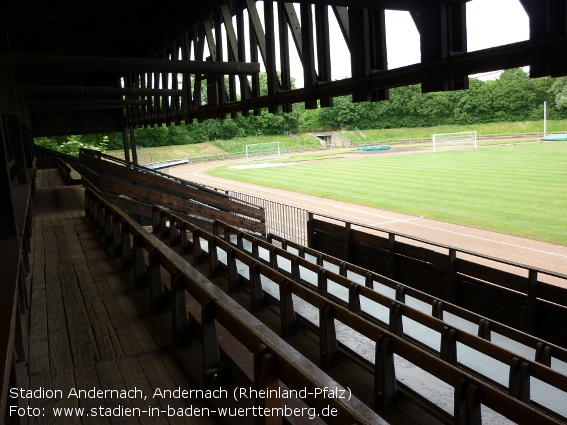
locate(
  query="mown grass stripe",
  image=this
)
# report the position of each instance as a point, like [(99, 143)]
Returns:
[(514, 189)]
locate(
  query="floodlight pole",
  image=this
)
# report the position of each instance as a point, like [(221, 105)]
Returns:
[(544, 118)]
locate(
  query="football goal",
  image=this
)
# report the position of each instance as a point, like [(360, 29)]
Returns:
[(265, 150), (465, 138)]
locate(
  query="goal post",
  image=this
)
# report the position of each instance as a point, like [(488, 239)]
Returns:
[(454, 139), (264, 150)]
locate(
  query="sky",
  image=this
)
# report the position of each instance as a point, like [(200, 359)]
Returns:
[(489, 23)]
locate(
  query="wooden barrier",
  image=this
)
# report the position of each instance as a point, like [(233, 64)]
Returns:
[(522, 302), (390, 341), (135, 189)]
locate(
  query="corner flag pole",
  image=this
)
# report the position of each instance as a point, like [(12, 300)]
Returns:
[(545, 118)]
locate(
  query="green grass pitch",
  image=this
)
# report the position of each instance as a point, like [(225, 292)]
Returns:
[(518, 189)]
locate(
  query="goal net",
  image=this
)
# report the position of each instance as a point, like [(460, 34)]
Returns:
[(465, 138), (264, 150)]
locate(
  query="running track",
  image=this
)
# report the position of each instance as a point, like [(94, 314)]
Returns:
[(533, 253)]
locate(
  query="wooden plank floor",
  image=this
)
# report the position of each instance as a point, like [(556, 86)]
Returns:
[(86, 331)]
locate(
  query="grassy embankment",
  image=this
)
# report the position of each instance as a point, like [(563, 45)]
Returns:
[(219, 147)]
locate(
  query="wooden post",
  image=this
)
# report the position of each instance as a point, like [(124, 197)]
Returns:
[(519, 380), (347, 255), (179, 318), (126, 255), (233, 276), (451, 286), (107, 227), (256, 291), (157, 295), (354, 298), (448, 349), (401, 293), (322, 282), (543, 354), (385, 385), (328, 348), (287, 312), (437, 309), (467, 409), (212, 366), (392, 255), (197, 251), (266, 378), (213, 257), (183, 240), (140, 273), (173, 236), (295, 271), (369, 280), (396, 323), (531, 304), (484, 329), (117, 236), (310, 230)]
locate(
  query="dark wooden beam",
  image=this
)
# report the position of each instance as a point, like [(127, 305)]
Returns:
[(126, 64)]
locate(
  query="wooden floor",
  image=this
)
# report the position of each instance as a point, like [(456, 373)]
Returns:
[(88, 327)]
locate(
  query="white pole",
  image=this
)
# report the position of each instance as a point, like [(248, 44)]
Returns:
[(545, 118)]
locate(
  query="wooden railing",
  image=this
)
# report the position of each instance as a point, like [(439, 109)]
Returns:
[(523, 302), (471, 390), (273, 359), (14, 264), (135, 189)]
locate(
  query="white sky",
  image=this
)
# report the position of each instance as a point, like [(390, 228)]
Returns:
[(489, 23)]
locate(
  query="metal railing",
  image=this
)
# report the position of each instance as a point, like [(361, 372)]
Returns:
[(283, 220)]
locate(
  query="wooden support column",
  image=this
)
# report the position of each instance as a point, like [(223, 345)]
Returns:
[(548, 20), (199, 54), (359, 51), (308, 43), (221, 87), (443, 32), (270, 58), (233, 53), (245, 91), (284, 51), (323, 49), (186, 96), (125, 143), (255, 30)]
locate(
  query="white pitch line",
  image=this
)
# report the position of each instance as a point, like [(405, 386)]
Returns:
[(358, 218), (490, 240), (380, 223)]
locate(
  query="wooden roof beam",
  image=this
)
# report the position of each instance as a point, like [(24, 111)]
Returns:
[(116, 64)]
